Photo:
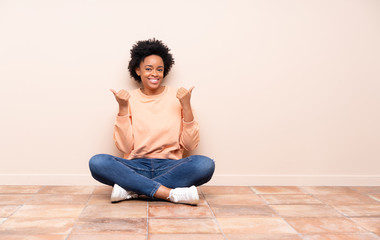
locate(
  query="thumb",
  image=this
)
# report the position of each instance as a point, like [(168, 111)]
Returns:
[(113, 91), (191, 89)]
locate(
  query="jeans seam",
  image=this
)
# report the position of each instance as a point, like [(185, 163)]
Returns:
[(172, 168), (134, 168), (154, 190)]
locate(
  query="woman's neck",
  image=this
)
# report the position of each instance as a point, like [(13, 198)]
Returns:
[(152, 92)]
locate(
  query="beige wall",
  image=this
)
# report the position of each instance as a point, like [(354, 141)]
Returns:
[(287, 92)]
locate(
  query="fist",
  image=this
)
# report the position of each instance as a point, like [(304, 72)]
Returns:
[(122, 97), (184, 95)]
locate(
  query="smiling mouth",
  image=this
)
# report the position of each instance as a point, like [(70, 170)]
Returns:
[(154, 80)]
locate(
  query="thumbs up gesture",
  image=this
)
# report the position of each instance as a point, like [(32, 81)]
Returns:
[(122, 97), (184, 96)]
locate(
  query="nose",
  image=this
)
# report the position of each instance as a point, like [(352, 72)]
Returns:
[(154, 72)]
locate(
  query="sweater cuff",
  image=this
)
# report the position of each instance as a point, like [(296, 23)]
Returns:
[(122, 119), (188, 124)]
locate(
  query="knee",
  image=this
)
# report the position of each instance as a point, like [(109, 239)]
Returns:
[(98, 162), (204, 164)]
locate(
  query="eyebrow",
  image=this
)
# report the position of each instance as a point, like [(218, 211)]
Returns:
[(152, 66)]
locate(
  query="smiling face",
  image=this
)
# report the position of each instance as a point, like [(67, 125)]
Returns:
[(151, 72)]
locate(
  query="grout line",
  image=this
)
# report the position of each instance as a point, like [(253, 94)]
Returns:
[(147, 220), (265, 201), (214, 217), (40, 189), (373, 197), (346, 216), (252, 189), (18, 208), (276, 213), (331, 206), (7, 218), (2, 221), (32, 195), (315, 196), (77, 219)]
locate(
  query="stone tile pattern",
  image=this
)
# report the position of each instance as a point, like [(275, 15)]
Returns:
[(234, 213)]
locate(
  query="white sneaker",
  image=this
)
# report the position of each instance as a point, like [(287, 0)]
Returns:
[(120, 194), (187, 195)]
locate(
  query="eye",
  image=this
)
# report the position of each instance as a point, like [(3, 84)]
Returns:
[(160, 70), (148, 69)]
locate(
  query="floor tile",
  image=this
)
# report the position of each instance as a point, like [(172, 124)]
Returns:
[(269, 236), (195, 225), (290, 199), (32, 237), (67, 190), (27, 226), (354, 236), (7, 210), (224, 212), (328, 190), (202, 202), (107, 236), (114, 211), (277, 190), (18, 189), (59, 199), (346, 199), (14, 199), (222, 190), (107, 190), (367, 189), (323, 225), (243, 199), (243, 211), (103, 199), (48, 211), (305, 211), (370, 224), (257, 225), (186, 237), (110, 226), (179, 211), (359, 210)]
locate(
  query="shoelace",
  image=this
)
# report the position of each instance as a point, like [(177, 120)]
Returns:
[(180, 194)]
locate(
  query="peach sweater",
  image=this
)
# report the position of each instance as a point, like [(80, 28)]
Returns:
[(154, 127)]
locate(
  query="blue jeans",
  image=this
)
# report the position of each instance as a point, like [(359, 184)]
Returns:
[(145, 176)]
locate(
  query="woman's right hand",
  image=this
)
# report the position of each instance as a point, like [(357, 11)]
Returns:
[(122, 97)]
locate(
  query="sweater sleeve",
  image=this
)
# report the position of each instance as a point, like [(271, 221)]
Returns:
[(190, 135), (123, 135)]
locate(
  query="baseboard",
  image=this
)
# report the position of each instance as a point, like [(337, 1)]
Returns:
[(221, 180), (296, 180), (47, 179)]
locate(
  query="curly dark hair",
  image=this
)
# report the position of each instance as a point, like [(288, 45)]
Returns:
[(145, 48)]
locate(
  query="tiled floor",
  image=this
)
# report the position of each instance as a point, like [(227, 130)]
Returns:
[(274, 213)]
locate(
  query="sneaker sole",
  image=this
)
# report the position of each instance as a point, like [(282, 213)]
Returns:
[(116, 200), (194, 192)]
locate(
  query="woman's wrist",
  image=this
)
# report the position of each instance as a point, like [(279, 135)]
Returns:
[(187, 113), (123, 110), (186, 106)]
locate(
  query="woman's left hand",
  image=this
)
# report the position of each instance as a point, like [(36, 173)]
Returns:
[(184, 96)]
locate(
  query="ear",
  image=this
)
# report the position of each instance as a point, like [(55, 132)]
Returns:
[(138, 72)]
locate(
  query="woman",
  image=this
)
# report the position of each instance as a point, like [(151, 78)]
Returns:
[(154, 126)]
